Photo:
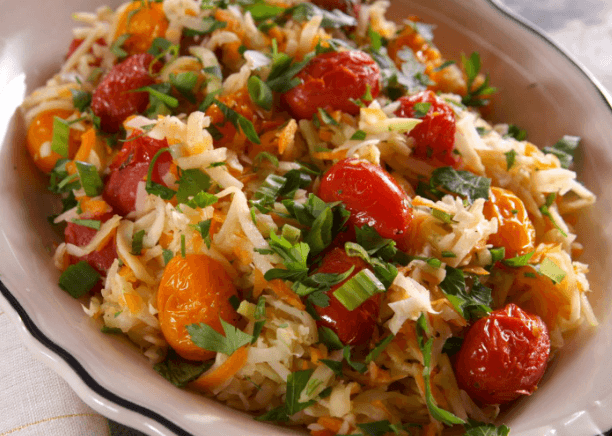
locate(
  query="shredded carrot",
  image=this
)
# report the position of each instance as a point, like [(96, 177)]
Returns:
[(315, 355), (478, 270), (191, 12), (380, 405), (287, 136), (88, 142), (106, 239), (133, 302), (94, 207), (330, 155), (224, 372), (333, 424), (127, 273), (325, 135), (284, 292), (165, 239)]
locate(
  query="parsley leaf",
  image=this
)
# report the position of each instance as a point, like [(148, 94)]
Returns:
[(81, 99), (510, 158), (204, 336), (204, 228), (380, 346), (518, 261), (474, 96), (209, 25), (330, 339), (564, 149), (516, 132), (475, 428), (116, 47), (294, 258), (239, 121), (545, 209), (155, 188), (185, 84), (191, 183), (472, 305), (462, 183), (331, 19), (179, 371), (137, 242)]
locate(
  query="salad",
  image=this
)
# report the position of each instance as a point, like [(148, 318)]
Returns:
[(299, 210)]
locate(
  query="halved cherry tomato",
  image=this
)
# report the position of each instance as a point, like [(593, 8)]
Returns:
[(514, 229), (143, 21), (114, 100), (371, 195), (435, 137), (352, 327), (194, 289), (131, 166), (331, 80), (503, 356), (79, 235), (40, 132)]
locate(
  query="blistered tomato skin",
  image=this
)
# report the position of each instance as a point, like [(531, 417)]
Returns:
[(503, 356), (331, 80), (371, 195), (434, 138), (194, 289), (78, 235), (130, 167), (114, 100), (515, 232), (352, 327)]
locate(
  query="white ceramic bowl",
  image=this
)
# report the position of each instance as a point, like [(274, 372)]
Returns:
[(541, 89)]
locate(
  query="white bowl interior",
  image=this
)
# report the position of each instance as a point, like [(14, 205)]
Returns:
[(540, 90)]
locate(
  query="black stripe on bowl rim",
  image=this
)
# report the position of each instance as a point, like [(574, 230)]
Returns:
[(74, 364)]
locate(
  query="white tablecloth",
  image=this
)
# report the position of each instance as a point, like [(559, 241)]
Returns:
[(34, 401)]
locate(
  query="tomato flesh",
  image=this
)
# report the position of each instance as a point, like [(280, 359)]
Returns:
[(434, 138), (371, 195), (114, 100), (352, 327), (503, 356), (331, 80), (78, 235), (130, 167)]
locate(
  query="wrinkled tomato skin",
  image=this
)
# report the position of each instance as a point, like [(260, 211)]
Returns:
[(352, 327), (80, 236), (515, 232), (371, 195), (434, 138), (330, 81), (131, 166), (503, 356), (113, 100)]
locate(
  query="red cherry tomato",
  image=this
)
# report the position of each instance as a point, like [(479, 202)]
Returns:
[(130, 166), (76, 43), (503, 356), (113, 100), (80, 236), (331, 80), (371, 195), (435, 137), (352, 327)]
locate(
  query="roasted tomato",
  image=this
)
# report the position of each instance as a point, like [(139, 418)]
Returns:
[(434, 138), (102, 258), (331, 80), (503, 356), (514, 232), (40, 133), (352, 327), (371, 195), (143, 21), (114, 100), (194, 289), (130, 166)]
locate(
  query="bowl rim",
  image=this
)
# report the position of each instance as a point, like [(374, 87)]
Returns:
[(102, 399)]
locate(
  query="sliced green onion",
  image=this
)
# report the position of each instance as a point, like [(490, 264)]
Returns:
[(551, 270), (183, 250), (260, 93), (517, 261), (137, 239), (61, 133), (359, 135), (358, 289), (92, 224), (448, 254), (168, 100), (442, 216), (90, 179), (290, 233), (155, 188), (326, 117), (497, 254), (167, 255), (79, 279)]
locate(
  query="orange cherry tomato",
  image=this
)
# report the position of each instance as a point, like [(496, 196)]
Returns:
[(371, 195), (194, 289), (514, 232), (353, 327), (503, 356), (41, 132), (144, 21)]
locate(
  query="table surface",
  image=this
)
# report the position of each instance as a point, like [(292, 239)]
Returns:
[(582, 27)]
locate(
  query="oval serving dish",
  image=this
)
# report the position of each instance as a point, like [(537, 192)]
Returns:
[(542, 89)]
